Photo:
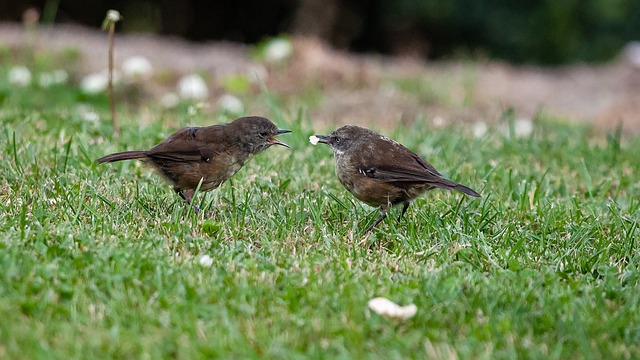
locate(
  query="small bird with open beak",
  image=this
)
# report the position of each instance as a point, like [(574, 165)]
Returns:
[(381, 172), (206, 156)]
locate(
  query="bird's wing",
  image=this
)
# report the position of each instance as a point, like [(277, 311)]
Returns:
[(390, 161), (398, 173), (187, 145)]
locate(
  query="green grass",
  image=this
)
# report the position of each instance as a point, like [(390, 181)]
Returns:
[(102, 261)]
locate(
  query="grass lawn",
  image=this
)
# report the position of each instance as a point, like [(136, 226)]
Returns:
[(104, 261)]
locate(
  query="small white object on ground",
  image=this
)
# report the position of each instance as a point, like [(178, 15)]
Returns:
[(479, 129), (230, 103), (56, 77), (20, 76), (314, 139), (278, 50), (192, 86), (523, 127), (206, 260), (387, 308), (94, 83), (137, 67)]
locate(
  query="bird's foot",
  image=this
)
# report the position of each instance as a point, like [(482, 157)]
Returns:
[(383, 215)]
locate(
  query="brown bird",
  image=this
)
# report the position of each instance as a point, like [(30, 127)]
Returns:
[(209, 154), (381, 172)]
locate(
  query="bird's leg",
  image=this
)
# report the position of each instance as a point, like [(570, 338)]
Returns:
[(383, 211), (181, 193), (187, 195), (404, 210)]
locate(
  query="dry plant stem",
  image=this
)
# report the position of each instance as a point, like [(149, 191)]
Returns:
[(112, 100)]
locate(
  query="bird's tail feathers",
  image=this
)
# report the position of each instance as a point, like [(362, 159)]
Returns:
[(450, 185), (466, 190), (125, 155)]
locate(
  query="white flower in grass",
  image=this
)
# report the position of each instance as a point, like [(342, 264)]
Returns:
[(91, 116), (137, 68), (113, 15), (479, 129), (522, 127), (97, 82), (206, 261), (94, 83), (192, 86), (19, 76), (387, 308), (56, 77), (278, 49), (231, 104), (86, 113)]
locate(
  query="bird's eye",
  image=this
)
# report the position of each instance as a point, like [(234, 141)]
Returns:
[(264, 134), (338, 139)]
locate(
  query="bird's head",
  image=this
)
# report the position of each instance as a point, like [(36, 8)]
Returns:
[(344, 138), (256, 133)]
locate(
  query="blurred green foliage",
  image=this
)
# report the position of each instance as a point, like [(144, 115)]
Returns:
[(535, 31)]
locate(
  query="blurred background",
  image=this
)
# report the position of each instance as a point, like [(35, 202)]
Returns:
[(527, 31), (340, 61)]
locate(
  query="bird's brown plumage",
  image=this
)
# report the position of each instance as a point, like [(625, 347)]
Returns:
[(209, 154), (382, 172)]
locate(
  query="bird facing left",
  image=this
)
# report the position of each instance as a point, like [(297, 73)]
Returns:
[(206, 156)]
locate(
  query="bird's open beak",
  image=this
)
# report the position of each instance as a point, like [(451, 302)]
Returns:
[(273, 141), (323, 138)]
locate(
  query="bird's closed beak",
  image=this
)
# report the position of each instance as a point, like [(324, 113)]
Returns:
[(273, 141)]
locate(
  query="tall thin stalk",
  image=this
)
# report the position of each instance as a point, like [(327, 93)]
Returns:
[(109, 22)]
